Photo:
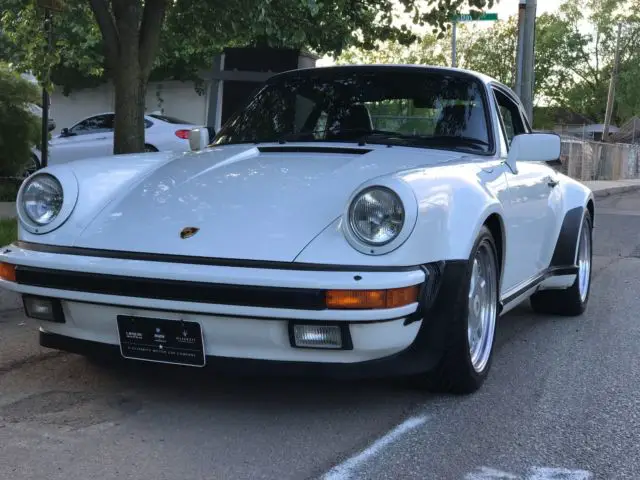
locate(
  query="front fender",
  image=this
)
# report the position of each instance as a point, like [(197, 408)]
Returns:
[(99, 181), (452, 207)]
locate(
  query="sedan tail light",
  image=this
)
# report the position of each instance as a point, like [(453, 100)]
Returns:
[(184, 134)]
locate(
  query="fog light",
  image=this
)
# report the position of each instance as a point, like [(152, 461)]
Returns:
[(42, 308), (320, 336)]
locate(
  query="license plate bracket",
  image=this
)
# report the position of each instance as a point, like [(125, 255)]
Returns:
[(176, 342)]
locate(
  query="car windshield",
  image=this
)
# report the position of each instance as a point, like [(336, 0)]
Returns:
[(419, 108)]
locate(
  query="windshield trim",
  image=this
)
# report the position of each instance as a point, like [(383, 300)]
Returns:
[(491, 151)]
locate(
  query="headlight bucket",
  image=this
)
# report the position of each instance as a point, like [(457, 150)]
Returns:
[(376, 216), (380, 216), (46, 199), (42, 199)]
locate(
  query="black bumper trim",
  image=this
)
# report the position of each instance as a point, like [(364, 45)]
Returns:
[(422, 355), (177, 290)]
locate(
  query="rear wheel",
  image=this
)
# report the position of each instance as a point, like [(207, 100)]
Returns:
[(150, 148), (572, 301), (471, 331)]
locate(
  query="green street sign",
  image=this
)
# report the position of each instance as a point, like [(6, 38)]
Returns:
[(466, 17)]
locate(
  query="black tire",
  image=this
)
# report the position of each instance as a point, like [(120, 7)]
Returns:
[(569, 302), (150, 148), (455, 372)]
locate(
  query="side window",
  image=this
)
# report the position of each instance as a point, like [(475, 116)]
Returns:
[(97, 124), (510, 113)]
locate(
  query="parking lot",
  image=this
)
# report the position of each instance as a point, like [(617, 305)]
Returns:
[(561, 402)]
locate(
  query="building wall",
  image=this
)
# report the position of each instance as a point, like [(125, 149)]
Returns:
[(173, 98)]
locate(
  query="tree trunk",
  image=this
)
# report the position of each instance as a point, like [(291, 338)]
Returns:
[(131, 35), (130, 89)]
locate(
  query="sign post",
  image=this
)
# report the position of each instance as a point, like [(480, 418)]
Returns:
[(466, 17), (48, 6)]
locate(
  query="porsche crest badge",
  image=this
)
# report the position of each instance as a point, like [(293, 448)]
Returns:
[(188, 232)]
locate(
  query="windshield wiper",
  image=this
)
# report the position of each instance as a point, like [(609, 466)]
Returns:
[(458, 141)]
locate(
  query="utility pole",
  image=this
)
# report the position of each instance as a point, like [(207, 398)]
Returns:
[(48, 6), (454, 34), (44, 148), (518, 76), (528, 57), (612, 88)]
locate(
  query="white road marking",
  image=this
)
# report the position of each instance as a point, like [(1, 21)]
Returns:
[(486, 473), (346, 469), (535, 473), (544, 473)]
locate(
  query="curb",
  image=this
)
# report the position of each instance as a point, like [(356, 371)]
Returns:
[(605, 192)]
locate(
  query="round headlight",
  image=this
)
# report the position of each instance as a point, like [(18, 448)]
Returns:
[(42, 199), (376, 216)]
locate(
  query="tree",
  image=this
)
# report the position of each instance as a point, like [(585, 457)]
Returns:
[(19, 127), (126, 41)]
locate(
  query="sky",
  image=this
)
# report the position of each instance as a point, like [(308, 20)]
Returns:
[(506, 8)]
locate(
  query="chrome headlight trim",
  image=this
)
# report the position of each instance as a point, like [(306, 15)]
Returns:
[(380, 192), (70, 189), (407, 198)]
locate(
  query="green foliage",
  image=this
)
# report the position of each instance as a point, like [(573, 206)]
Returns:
[(19, 128), (574, 54), (8, 231), (195, 30)]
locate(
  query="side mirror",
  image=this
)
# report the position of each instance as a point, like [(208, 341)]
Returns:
[(534, 147), (198, 139), (65, 132)]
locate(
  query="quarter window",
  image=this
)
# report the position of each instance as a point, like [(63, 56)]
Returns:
[(511, 118)]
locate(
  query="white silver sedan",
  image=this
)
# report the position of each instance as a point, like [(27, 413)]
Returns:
[(93, 137)]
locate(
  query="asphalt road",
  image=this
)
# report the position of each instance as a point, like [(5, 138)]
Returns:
[(561, 403)]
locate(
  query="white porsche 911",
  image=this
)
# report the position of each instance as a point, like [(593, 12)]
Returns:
[(351, 220)]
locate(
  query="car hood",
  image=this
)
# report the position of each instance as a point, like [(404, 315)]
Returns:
[(247, 202)]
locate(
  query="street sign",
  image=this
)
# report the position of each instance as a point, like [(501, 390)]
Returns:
[(53, 5), (466, 17)]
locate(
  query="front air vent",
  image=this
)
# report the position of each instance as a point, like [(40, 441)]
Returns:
[(312, 149)]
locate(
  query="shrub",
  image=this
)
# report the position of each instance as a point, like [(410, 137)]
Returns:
[(19, 127)]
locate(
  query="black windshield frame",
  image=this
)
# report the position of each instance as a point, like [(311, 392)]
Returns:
[(327, 74)]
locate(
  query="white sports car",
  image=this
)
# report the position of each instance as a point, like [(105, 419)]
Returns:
[(351, 220)]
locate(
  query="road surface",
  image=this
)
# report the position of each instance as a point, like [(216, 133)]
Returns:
[(561, 403)]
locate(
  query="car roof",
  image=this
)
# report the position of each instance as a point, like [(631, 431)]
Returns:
[(386, 68)]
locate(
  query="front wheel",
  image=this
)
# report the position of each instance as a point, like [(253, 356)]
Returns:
[(471, 331), (572, 301)]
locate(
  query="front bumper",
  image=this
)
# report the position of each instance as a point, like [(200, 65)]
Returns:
[(253, 324)]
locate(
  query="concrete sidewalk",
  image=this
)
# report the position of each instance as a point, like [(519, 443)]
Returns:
[(600, 188)]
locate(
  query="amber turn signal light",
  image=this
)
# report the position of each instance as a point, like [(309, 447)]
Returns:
[(7, 272), (372, 299)]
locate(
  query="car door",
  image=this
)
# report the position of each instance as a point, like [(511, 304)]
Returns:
[(533, 207), (92, 137)]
